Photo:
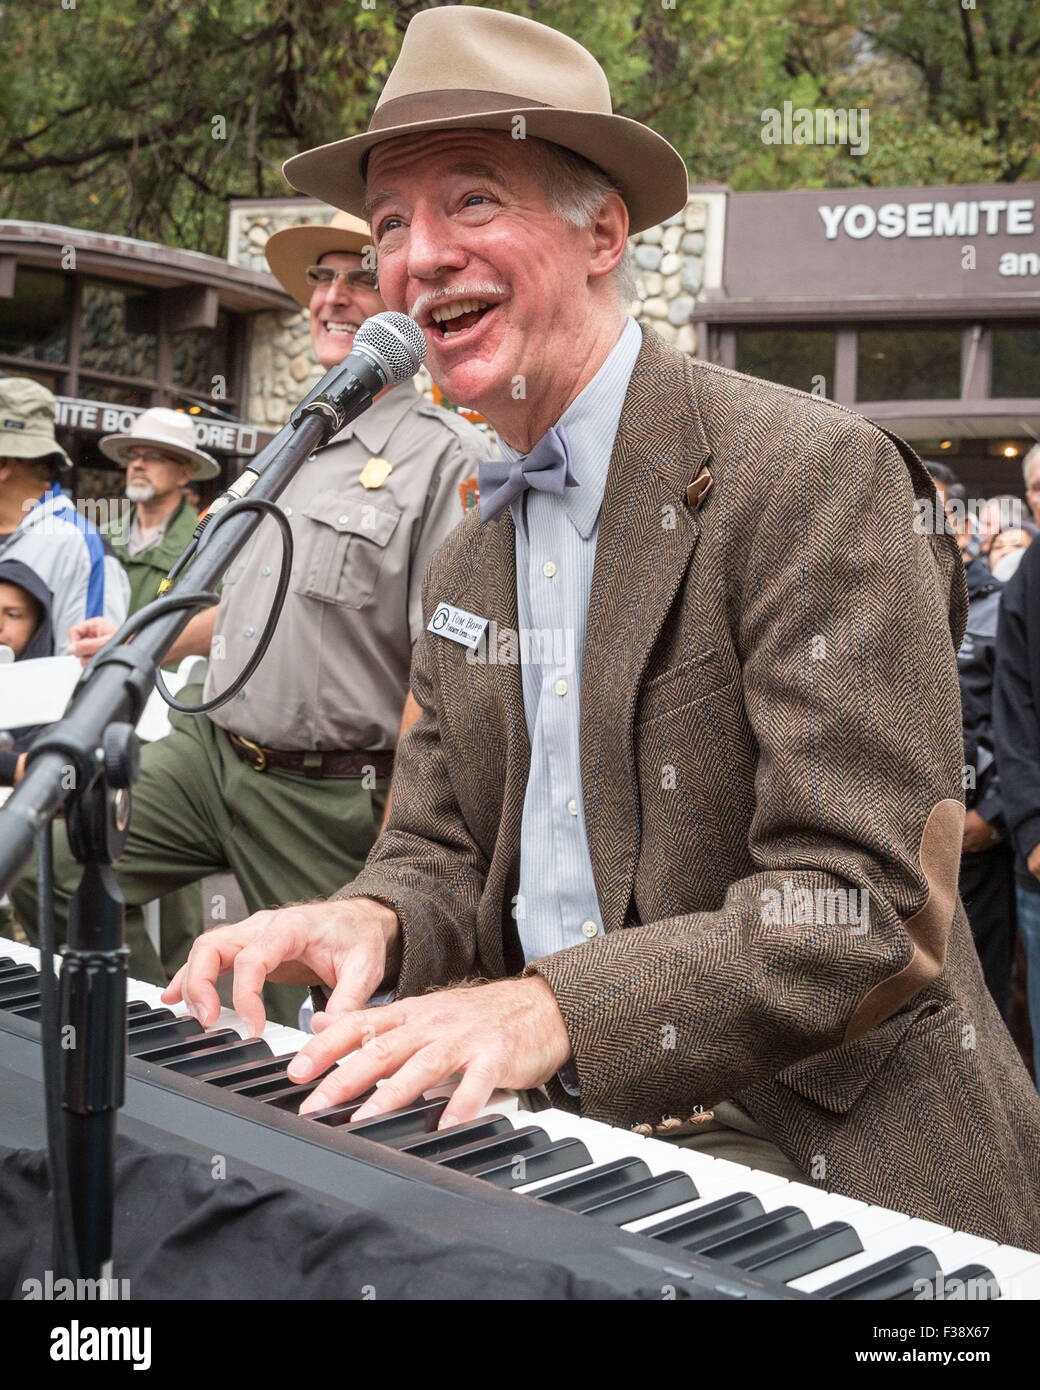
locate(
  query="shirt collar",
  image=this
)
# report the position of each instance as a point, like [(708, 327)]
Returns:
[(378, 423), (591, 422)]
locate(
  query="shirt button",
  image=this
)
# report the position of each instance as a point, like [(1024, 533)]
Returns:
[(266, 571), (248, 631), (241, 695), (572, 806), (287, 511), (343, 519), (549, 569), (560, 687), (589, 929)]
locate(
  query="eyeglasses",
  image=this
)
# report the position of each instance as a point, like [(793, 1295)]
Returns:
[(146, 456), (321, 276)]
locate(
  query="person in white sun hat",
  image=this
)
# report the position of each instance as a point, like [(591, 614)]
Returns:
[(160, 455)]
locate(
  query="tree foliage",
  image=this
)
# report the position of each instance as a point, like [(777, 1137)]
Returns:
[(144, 117)]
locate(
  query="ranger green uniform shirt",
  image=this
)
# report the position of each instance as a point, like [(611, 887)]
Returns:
[(336, 673), (148, 568)]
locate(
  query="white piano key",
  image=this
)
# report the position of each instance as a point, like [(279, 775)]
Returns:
[(1017, 1271), (888, 1242)]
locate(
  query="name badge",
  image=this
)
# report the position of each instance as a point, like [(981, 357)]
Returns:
[(457, 624)]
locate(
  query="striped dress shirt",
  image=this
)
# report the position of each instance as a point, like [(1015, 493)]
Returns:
[(556, 534)]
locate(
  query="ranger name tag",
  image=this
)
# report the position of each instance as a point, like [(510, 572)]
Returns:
[(457, 624)]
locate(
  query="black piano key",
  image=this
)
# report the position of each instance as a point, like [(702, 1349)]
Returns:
[(148, 1017), (547, 1161), (796, 1255), (17, 1001), (755, 1235), (889, 1278), (479, 1153), (338, 1115), (173, 1052), (30, 1011), (581, 1188), (137, 1006), (198, 1063), (431, 1145), (971, 1282), (641, 1197), (18, 981), (256, 1087), (290, 1096), (5, 961), (18, 972), (418, 1118), (713, 1218), (143, 1039), (240, 1073)]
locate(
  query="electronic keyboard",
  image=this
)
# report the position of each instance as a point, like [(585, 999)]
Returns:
[(641, 1215)]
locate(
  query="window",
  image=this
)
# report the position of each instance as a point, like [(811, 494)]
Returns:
[(799, 357), (1016, 362), (909, 364), (34, 323)]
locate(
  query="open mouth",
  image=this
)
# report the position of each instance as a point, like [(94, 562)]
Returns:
[(339, 330), (459, 317)]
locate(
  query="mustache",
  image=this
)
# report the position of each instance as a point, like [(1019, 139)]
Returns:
[(482, 289)]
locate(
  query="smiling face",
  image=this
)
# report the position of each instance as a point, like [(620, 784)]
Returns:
[(514, 302), (339, 309)]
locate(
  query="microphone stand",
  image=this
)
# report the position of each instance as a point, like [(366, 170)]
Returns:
[(87, 764)]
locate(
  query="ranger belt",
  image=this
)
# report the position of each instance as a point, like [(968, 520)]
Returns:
[(351, 763)]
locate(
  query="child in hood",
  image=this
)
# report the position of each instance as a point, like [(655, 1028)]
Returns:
[(25, 627)]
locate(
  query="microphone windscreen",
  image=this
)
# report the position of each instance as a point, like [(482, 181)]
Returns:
[(394, 342)]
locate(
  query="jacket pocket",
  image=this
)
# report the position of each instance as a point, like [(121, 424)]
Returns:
[(340, 547), (684, 684)]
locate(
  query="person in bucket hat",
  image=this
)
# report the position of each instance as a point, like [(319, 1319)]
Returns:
[(40, 526), (694, 854), (290, 781), (160, 455)]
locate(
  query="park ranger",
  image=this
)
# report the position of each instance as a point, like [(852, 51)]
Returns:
[(160, 456), (286, 785)]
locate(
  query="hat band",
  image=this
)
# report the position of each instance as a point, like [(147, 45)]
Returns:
[(449, 102)]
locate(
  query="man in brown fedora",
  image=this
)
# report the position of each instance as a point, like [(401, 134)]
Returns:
[(286, 785), (701, 862)]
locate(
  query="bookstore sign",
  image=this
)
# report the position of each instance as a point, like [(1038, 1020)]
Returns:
[(99, 417)]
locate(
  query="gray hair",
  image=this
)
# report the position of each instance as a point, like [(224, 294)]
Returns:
[(575, 190), (1031, 458)]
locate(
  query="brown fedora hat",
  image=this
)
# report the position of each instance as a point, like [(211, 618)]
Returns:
[(463, 66), (290, 251)]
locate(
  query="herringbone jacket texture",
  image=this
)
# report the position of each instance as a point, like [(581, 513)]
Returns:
[(771, 758)]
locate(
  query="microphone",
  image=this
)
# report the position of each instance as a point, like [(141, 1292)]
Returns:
[(388, 349)]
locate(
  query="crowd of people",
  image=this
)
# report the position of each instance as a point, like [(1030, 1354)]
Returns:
[(997, 661)]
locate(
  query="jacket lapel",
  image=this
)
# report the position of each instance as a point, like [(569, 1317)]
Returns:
[(647, 534)]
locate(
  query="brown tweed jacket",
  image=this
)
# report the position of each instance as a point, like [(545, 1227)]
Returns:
[(771, 767)]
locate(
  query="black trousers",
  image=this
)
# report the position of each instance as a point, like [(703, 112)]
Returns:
[(987, 887)]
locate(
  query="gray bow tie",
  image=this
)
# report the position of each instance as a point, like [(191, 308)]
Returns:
[(547, 467)]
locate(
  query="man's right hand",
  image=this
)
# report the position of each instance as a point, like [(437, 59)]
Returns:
[(352, 946), (1033, 862), (88, 637)]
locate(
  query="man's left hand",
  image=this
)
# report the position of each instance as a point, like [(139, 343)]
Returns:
[(978, 834), (506, 1034)]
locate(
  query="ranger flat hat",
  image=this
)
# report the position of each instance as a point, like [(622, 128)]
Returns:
[(168, 430), (290, 251), (463, 66), (27, 412)]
